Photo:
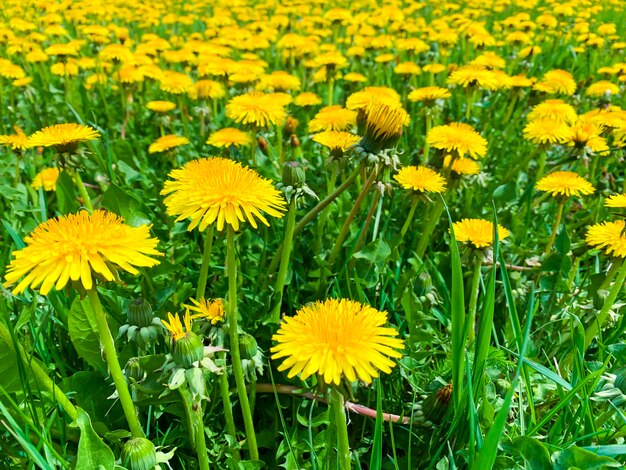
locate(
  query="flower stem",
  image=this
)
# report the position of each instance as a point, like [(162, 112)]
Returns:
[(343, 234), (189, 418), (407, 222), (337, 406), (284, 260), (106, 340), (82, 191), (555, 227), (279, 144), (429, 125), (203, 459), (231, 266), (206, 259), (313, 212), (331, 88), (599, 320), (471, 317), (228, 409), (433, 219)]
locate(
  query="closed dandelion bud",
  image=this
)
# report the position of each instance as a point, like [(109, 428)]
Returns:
[(133, 370), (294, 141), (188, 350), (293, 174), (502, 387), (600, 298), (247, 346), (435, 406), (290, 125), (140, 313), (139, 453), (620, 379), (423, 284), (263, 144)]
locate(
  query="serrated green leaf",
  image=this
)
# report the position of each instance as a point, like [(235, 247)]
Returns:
[(84, 333), (93, 453)]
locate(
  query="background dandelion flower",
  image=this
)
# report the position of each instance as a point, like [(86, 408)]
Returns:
[(478, 232), (336, 338), (421, 179), (458, 137), (608, 236), (72, 246), (64, 137), (616, 200), (219, 190), (565, 183)]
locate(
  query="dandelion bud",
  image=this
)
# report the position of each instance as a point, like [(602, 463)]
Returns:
[(383, 127), (263, 144), (293, 174), (435, 406), (140, 313), (423, 284), (188, 349), (247, 346), (620, 379), (600, 298), (139, 454), (290, 125), (133, 369), (294, 141)]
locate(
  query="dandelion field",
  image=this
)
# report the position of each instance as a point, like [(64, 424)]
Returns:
[(308, 235)]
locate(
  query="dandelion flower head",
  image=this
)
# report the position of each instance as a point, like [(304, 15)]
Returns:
[(72, 246), (565, 183), (458, 137), (608, 236), (336, 338), (220, 190), (478, 232), (63, 137), (421, 179)]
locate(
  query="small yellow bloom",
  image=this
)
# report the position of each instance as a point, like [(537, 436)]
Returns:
[(175, 326), (63, 137), (421, 179), (609, 236), (478, 232), (211, 310), (46, 179), (565, 183), (167, 142), (458, 137), (229, 136), (616, 200)]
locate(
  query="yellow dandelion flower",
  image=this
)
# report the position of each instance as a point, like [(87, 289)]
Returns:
[(279, 81), (407, 68), (258, 109), (17, 141), (72, 246), (167, 142), (475, 76), (420, 179), (610, 236), (176, 83), (354, 77), (175, 326), (616, 200), (383, 126), (160, 106), (429, 94), (211, 310), (462, 166), (458, 137), (307, 99), (207, 89), (337, 339), (63, 137), (217, 189), (478, 232), (565, 183), (372, 94), (229, 136), (601, 88), (332, 118), (557, 82), (336, 140), (547, 131), (46, 179), (557, 110)]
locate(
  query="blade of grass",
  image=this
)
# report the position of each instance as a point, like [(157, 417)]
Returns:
[(376, 460)]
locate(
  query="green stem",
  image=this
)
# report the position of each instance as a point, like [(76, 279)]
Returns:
[(542, 164), (106, 341), (343, 234), (82, 191), (228, 409), (331, 88), (617, 263), (470, 101), (279, 145), (188, 417), (555, 227), (231, 267), (330, 185), (337, 406), (284, 260), (599, 320), (471, 317), (254, 145), (203, 458), (409, 219), (433, 219), (206, 259), (429, 125), (40, 375), (313, 212)]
